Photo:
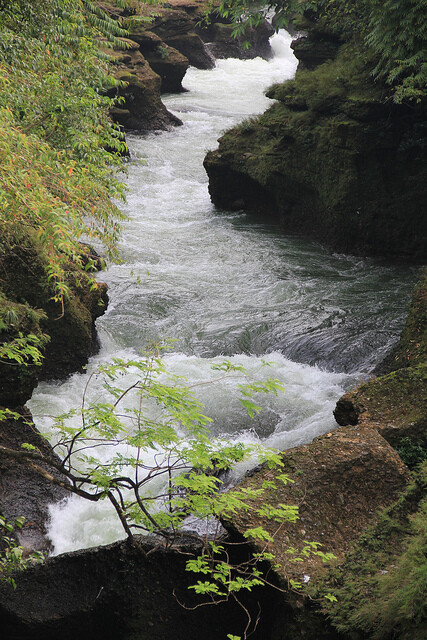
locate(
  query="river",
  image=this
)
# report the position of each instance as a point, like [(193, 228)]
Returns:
[(224, 284)]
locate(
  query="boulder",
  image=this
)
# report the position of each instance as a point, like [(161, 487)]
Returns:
[(166, 61), (341, 479), (412, 347), (23, 491), (315, 48), (191, 46), (126, 591), (395, 405)]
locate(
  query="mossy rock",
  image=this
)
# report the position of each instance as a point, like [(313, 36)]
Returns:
[(412, 347), (66, 333), (332, 161), (380, 588), (395, 405), (22, 325)]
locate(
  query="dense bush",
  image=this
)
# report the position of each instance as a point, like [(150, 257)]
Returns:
[(58, 147), (394, 30)]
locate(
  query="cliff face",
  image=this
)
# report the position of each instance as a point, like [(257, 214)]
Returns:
[(332, 161)]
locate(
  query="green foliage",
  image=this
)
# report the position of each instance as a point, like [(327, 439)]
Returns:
[(334, 86), (394, 30), (19, 344), (58, 147), (12, 559), (162, 52), (398, 35), (412, 453), (22, 349), (147, 449)]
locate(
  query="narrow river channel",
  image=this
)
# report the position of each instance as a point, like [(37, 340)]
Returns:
[(225, 285)]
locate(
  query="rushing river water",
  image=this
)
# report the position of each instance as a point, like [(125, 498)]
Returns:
[(224, 284)]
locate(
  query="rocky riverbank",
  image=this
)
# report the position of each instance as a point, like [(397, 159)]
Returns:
[(334, 160), (331, 158), (341, 479), (163, 41)]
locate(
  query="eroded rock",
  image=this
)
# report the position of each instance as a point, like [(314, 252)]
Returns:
[(142, 109), (176, 28), (315, 48), (222, 44)]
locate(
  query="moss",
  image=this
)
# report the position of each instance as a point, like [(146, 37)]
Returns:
[(398, 396), (345, 78), (26, 324), (396, 403), (65, 335), (381, 587)]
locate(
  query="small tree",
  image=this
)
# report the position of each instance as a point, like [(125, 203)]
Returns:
[(148, 450)]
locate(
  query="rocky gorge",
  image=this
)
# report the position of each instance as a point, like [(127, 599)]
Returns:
[(343, 477)]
